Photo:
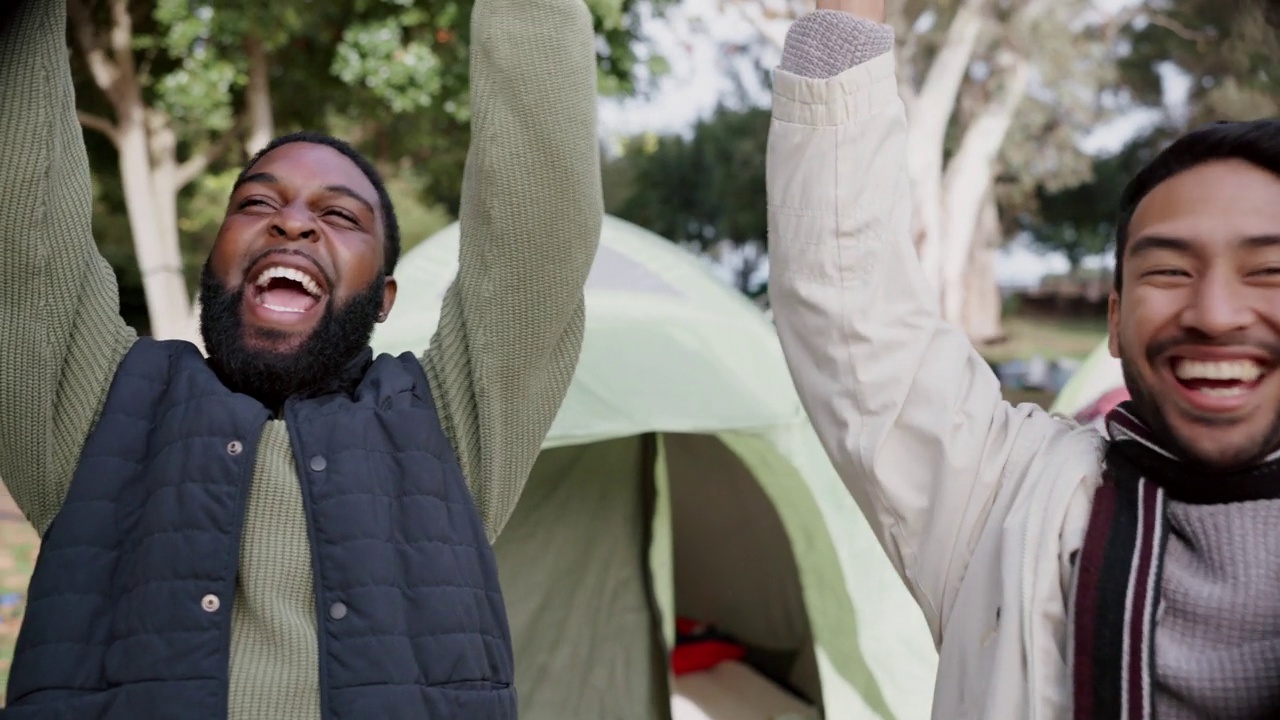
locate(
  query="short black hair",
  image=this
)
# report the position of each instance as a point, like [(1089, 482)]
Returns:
[(391, 226), (1255, 141)]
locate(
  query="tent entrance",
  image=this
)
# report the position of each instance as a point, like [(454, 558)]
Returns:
[(733, 568), (572, 562), (610, 542)]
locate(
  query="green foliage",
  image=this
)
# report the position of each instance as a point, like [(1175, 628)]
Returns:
[(705, 188), (1230, 49), (403, 75), (1081, 221), (391, 76)]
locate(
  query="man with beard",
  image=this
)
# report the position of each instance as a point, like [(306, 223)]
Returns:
[(1062, 575), (294, 528)]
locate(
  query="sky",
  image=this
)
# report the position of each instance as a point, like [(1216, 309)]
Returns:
[(689, 36)]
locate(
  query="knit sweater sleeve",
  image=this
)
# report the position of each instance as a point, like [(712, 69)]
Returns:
[(512, 323), (825, 43), (61, 335)]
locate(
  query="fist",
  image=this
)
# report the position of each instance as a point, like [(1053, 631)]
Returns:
[(866, 9)]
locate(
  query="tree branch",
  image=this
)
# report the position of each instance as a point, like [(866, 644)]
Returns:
[(105, 72), (191, 169), (1177, 28), (760, 21), (1121, 20), (98, 123), (1018, 27), (1032, 10), (936, 96), (121, 35)]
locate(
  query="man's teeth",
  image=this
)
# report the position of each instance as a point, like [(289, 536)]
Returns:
[(279, 308), (1244, 371), (1231, 391), (271, 273)]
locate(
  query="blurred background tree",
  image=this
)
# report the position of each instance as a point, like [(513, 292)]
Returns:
[(1008, 101), (175, 95)]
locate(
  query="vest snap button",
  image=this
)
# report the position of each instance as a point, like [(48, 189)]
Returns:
[(337, 611), (234, 447), (210, 603), (318, 463)]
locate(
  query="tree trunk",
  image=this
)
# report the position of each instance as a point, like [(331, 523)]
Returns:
[(157, 253), (930, 112), (150, 173), (968, 183), (163, 144), (262, 127), (982, 306)]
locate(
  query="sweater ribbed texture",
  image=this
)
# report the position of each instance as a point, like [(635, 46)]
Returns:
[(825, 43), (507, 346), (1218, 625), (274, 663)]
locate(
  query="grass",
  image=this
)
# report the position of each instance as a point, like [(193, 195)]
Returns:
[(1048, 337), (19, 545)]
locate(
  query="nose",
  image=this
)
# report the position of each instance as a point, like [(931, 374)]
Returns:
[(1219, 307), (295, 222)]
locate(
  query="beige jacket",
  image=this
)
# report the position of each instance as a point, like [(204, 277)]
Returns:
[(980, 505)]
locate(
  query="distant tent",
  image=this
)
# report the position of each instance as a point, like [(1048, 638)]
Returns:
[(681, 479), (1097, 386)]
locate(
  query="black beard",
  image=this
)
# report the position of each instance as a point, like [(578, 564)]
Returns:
[(315, 365), (1149, 413)]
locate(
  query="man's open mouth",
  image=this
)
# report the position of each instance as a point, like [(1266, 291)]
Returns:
[(1218, 378), (286, 289)]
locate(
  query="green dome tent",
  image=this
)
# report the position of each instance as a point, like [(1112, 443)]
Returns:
[(682, 479), (1098, 375)]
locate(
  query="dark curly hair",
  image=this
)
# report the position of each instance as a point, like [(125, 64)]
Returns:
[(1255, 141)]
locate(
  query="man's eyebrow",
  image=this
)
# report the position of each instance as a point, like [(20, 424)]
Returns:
[(258, 177), (1151, 243), (1261, 242), (268, 178), (344, 190)]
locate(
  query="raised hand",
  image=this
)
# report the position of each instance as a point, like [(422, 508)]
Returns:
[(867, 9)]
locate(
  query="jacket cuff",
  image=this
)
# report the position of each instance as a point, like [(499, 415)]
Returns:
[(859, 92)]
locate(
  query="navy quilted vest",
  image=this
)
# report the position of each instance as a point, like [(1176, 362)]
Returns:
[(129, 615)]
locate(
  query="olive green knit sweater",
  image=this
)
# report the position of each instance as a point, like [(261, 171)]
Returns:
[(500, 364)]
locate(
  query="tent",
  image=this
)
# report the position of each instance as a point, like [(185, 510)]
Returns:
[(681, 479), (1095, 387)]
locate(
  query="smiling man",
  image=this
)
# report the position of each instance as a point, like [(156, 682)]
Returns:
[(1063, 572), (293, 528), (1195, 316), (296, 315)]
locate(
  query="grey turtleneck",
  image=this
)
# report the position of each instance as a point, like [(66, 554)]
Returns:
[(1217, 643)]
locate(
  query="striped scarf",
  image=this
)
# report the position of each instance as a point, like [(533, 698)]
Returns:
[(1118, 576)]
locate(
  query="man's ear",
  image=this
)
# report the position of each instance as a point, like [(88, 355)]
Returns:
[(388, 298), (1113, 323)]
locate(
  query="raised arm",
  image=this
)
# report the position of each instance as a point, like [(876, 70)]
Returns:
[(61, 335), (911, 416), (511, 325)]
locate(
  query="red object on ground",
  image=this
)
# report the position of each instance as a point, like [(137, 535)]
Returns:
[(700, 647)]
